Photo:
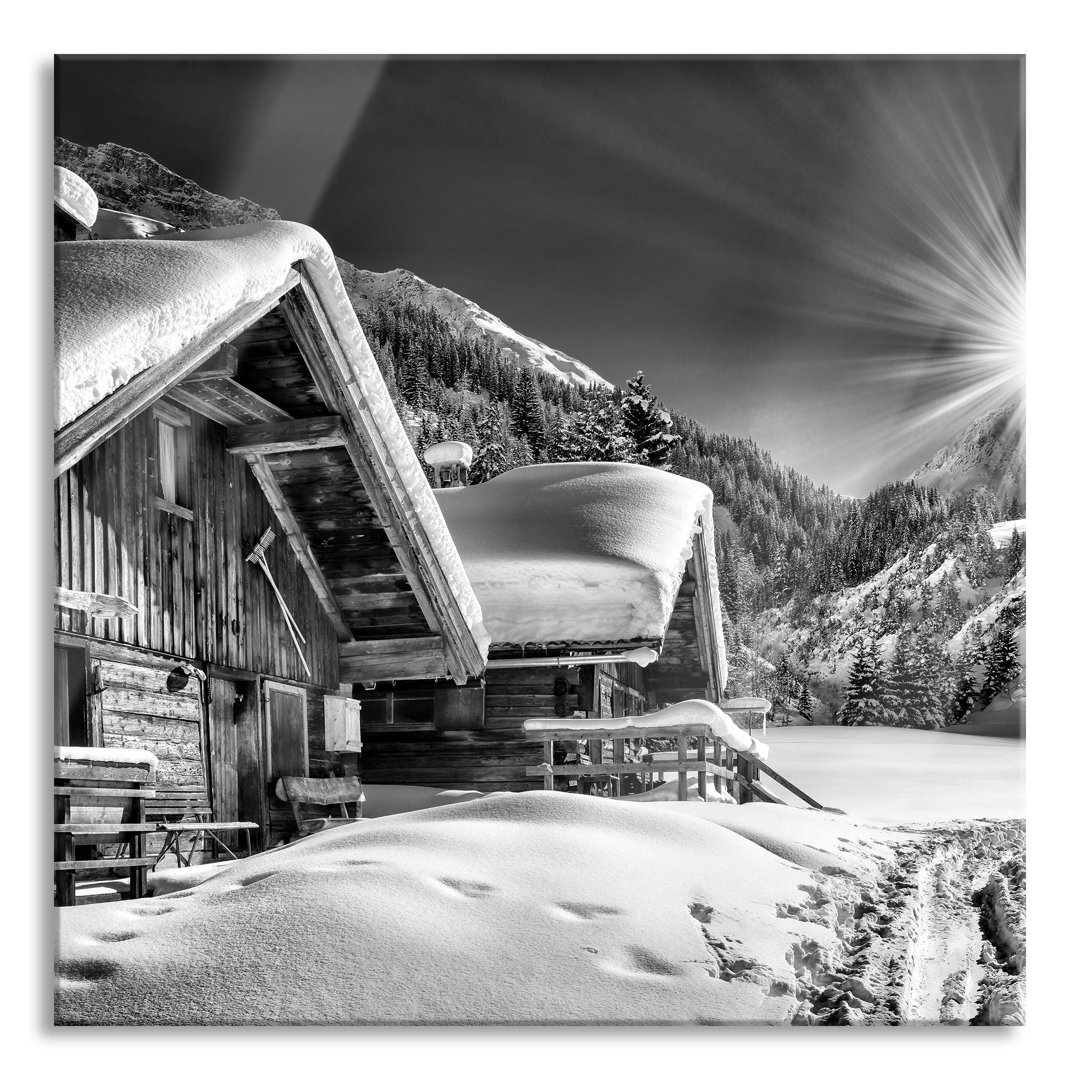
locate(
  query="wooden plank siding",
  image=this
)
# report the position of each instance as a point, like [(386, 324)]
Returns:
[(495, 757), (197, 596)]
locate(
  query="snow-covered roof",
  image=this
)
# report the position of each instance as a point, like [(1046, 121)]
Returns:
[(450, 452), (581, 551), (122, 306), (74, 196)]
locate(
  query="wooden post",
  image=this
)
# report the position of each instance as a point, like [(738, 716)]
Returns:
[(683, 785), (717, 780), (549, 760), (746, 774), (618, 755), (702, 777)]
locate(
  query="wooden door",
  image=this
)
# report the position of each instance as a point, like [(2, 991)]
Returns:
[(286, 730), (236, 759)]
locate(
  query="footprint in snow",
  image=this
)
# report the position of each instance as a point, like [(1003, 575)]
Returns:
[(254, 878), (81, 974), (586, 911), (476, 890), (108, 937), (645, 962)]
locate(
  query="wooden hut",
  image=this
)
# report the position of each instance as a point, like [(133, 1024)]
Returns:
[(212, 388), (598, 586)]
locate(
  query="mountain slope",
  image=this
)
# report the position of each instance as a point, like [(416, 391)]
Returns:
[(989, 452), (957, 590), (366, 288)]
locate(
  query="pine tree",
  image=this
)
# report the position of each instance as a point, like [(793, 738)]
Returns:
[(786, 682), (862, 702), (900, 693), (527, 412), (928, 704), (647, 425), (490, 457), (1002, 663), (805, 706), (1016, 552), (964, 687), (560, 441)]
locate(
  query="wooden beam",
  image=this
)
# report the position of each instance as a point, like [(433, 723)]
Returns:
[(96, 605), (625, 768), (703, 621), (769, 771), (75, 440), (676, 681), (299, 544), (226, 402), (394, 658), (302, 326), (314, 433), (222, 365)]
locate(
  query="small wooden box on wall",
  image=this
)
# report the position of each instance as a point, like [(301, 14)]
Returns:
[(341, 719), (459, 708)]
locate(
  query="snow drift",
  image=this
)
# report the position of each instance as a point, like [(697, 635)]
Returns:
[(645, 916)]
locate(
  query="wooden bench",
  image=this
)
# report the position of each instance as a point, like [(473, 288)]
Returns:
[(325, 793), (100, 802), (180, 811)]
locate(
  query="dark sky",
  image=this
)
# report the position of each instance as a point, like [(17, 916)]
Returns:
[(821, 254)]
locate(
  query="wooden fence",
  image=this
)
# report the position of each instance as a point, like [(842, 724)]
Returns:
[(698, 751)]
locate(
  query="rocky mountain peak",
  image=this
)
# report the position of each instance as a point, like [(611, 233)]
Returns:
[(989, 452)]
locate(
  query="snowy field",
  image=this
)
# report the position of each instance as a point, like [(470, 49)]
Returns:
[(552, 908), (901, 774)]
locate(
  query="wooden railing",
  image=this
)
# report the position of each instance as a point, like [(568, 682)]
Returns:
[(735, 771)]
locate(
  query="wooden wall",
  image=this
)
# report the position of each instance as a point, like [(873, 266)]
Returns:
[(133, 707), (494, 757), (197, 596)]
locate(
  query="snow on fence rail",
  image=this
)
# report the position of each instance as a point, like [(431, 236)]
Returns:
[(737, 757)]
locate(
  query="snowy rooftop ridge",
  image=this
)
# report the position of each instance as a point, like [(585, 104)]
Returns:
[(579, 551), (122, 306)]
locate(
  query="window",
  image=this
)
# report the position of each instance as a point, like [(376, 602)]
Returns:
[(341, 724), (173, 428)]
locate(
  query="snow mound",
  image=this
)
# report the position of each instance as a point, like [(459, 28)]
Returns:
[(675, 716), (74, 196), (669, 792), (385, 799), (122, 306), (461, 915), (582, 551)]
